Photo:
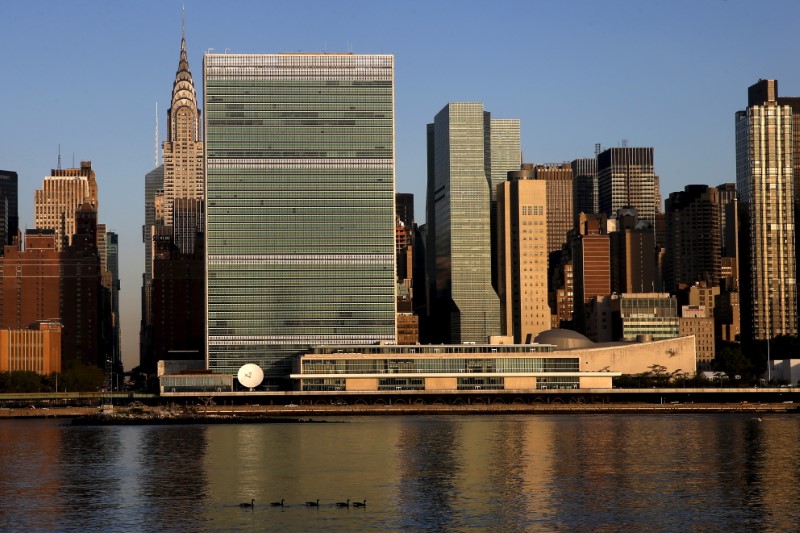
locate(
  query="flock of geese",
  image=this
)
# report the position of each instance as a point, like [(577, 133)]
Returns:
[(314, 503)]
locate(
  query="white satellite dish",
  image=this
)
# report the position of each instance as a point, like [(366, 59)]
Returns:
[(250, 375)]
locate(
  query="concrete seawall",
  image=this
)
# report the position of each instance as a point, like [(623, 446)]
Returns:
[(198, 413)]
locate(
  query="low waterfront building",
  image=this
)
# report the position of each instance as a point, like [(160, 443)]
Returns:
[(678, 354), (34, 349), (443, 367)]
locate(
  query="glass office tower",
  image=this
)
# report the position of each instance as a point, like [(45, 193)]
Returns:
[(300, 205)]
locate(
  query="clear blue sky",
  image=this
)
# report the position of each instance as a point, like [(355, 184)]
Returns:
[(87, 75)]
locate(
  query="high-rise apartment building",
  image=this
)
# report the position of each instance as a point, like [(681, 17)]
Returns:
[(765, 181), (522, 255), (694, 236), (626, 178), (183, 149), (459, 232), (300, 206), (62, 193)]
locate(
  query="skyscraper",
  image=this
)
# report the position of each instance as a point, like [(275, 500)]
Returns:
[(460, 240), (174, 219), (300, 205), (765, 181), (694, 236), (522, 255), (153, 183), (584, 186), (183, 149), (626, 178), (591, 258), (62, 193), (9, 187)]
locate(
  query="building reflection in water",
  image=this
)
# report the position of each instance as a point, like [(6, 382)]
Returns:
[(699, 472), (30, 473), (475, 472)]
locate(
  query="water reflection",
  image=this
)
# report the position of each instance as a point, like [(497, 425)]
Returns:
[(513, 473), (430, 464)]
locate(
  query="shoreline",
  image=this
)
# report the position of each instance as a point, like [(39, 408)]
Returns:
[(285, 414)]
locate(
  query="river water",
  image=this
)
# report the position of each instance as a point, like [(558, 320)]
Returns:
[(577, 472)]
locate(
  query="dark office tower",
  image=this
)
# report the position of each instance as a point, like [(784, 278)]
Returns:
[(4, 224), (729, 232), (178, 303), (432, 321), (153, 217), (626, 178), (8, 186), (405, 249), (420, 301), (300, 226), (634, 266), (765, 181), (404, 204), (694, 237), (188, 216), (112, 266), (404, 208), (153, 183), (584, 187)]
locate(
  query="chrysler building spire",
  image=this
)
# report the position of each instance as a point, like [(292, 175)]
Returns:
[(183, 151)]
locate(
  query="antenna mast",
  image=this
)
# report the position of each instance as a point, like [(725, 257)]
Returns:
[(59, 157)]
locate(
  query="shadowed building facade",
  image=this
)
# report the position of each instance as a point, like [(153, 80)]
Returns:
[(300, 213), (9, 187), (40, 283)]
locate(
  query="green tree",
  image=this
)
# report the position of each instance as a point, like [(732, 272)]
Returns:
[(78, 377), (733, 362), (20, 381)]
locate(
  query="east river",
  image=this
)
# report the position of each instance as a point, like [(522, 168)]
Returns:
[(578, 472)]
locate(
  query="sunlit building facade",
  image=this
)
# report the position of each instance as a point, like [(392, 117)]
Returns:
[(56, 204), (300, 217), (459, 218), (765, 181), (626, 178)]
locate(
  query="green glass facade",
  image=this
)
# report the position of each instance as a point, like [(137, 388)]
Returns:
[(459, 199), (300, 205)]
